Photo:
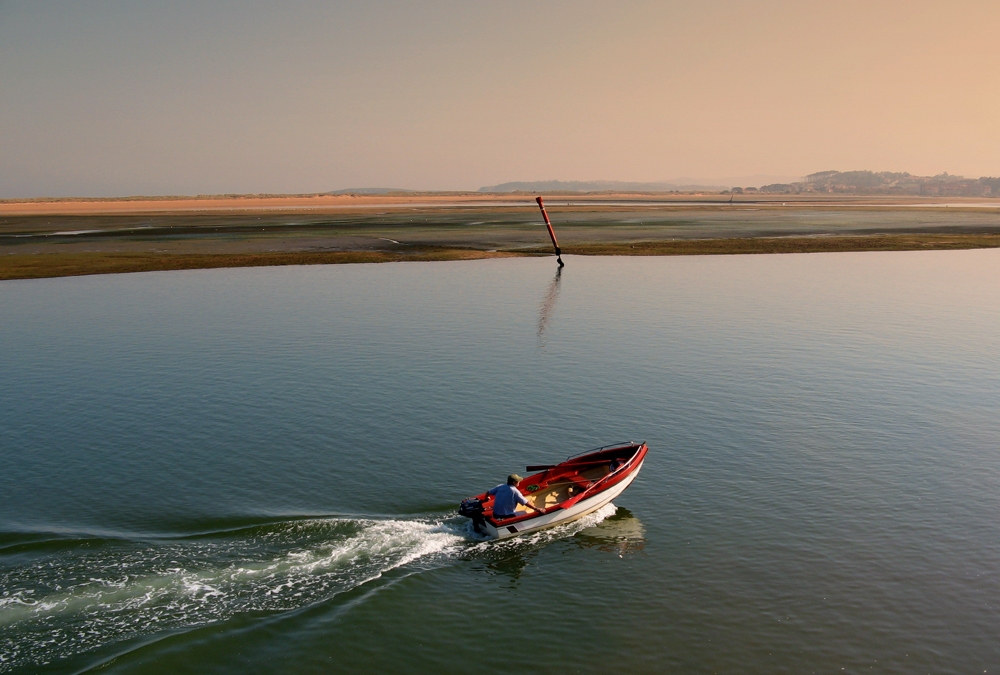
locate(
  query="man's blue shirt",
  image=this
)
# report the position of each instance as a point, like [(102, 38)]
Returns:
[(507, 499)]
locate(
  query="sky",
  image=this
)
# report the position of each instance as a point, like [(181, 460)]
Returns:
[(127, 97)]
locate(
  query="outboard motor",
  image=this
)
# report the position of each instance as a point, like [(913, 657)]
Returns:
[(473, 508)]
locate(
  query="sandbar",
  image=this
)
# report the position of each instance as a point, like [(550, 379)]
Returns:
[(65, 237)]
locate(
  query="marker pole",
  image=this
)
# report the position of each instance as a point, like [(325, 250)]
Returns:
[(552, 233)]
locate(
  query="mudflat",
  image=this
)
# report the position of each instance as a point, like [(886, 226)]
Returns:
[(48, 238)]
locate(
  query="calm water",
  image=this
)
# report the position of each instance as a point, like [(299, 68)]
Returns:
[(255, 470)]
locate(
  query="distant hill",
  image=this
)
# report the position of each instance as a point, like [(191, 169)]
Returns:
[(888, 183), (366, 191), (596, 186)]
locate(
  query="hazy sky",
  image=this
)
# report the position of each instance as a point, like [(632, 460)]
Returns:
[(119, 97)]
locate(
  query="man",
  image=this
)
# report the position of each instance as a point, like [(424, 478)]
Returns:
[(507, 497)]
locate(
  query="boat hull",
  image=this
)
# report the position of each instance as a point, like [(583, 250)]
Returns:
[(563, 515)]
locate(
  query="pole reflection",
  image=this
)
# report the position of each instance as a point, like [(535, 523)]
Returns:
[(547, 306)]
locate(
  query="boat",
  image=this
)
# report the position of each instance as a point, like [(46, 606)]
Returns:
[(566, 491)]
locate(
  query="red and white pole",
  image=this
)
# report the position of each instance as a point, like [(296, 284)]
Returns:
[(552, 233)]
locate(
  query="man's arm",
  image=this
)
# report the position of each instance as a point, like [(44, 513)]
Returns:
[(524, 500)]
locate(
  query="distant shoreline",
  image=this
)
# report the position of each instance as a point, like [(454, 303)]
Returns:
[(339, 202)]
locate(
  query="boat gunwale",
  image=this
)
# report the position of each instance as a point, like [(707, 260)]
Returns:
[(601, 499), (619, 474)]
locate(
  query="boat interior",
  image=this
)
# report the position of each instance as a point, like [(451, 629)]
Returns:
[(561, 488)]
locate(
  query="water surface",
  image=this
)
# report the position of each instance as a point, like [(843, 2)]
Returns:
[(255, 470)]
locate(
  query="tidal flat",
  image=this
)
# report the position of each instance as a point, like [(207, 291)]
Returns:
[(60, 238)]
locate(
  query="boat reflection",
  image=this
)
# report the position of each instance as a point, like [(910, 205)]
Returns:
[(512, 564), (620, 534), (547, 307)]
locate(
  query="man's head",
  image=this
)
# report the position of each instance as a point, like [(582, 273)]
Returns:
[(513, 479)]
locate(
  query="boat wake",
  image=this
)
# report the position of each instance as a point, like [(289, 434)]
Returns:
[(76, 595), (62, 597)]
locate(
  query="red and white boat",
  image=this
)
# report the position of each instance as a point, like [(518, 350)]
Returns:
[(567, 491)]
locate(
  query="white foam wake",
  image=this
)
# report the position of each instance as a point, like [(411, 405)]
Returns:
[(86, 596), (77, 600)]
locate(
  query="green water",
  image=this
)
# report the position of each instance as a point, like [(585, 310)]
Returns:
[(255, 470)]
